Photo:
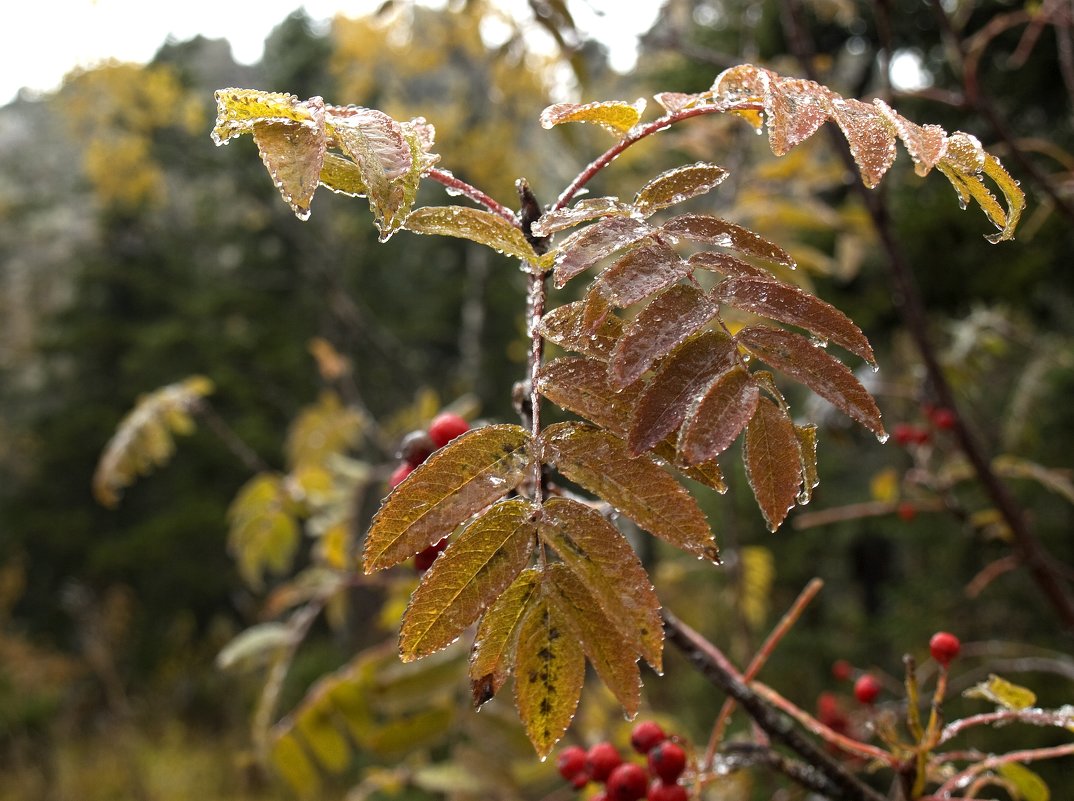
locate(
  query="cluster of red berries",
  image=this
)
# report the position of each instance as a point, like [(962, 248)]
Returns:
[(415, 448), (625, 780), (941, 418)]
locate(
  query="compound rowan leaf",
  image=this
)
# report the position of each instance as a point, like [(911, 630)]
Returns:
[(667, 321), (684, 375), (477, 225), (635, 485), (791, 305), (648, 267), (263, 534), (808, 364), (714, 231), (570, 326), (773, 461), (717, 416), (586, 209), (586, 247), (615, 116), (474, 569), (580, 385), (599, 556), (549, 673), (493, 653), (600, 639), (677, 185), (459, 480)]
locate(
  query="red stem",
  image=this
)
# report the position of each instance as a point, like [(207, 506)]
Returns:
[(467, 190)]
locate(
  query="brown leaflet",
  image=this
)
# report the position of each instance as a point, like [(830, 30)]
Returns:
[(293, 155), (580, 385), (677, 185), (570, 326), (635, 485), (597, 553), (479, 565), (586, 209), (681, 378), (808, 364), (672, 102), (585, 248), (647, 268), (670, 319), (789, 304), (796, 109), (743, 84), (727, 264), (714, 231), (773, 461), (492, 655), (600, 639), (926, 144), (870, 136), (549, 673), (716, 418)]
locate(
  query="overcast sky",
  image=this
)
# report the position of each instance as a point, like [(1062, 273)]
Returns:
[(42, 40)]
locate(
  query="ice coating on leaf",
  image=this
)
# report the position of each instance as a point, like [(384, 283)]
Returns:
[(739, 85), (1016, 201), (476, 225), (714, 231), (670, 319), (343, 176), (677, 185), (870, 136), (647, 268), (773, 461), (615, 116), (569, 327), (964, 153), (580, 385), (493, 653), (796, 109), (673, 102), (964, 164), (807, 443), (586, 209), (294, 156), (727, 265), (585, 248), (718, 415), (926, 144), (238, 110), (381, 135)]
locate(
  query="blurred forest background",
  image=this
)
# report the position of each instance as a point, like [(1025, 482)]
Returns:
[(134, 253)]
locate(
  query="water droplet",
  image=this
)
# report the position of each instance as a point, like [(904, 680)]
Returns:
[(882, 438)]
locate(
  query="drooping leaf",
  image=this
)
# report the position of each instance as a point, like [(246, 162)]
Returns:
[(635, 485), (476, 225), (714, 231), (773, 461), (263, 533), (869, 134), (648, 267), (683, 376), (457, 481), (803, 361), (788, 304), (926, 144), (549, 672), (317, 725), (615, 116), (254, 646), (963, 164), (586, 247), (474, 569), (291, 762), (600, 639), (569, 327), (807, 442), (717, 417), (586, 209), (580, 385), (327, 427), (1002, 693), (670, 319), (493, 653), (677, 185), (343, 176), (143, 438), (796, 109), (294, 156), (739, 87), (600, 557), (1029, 785)]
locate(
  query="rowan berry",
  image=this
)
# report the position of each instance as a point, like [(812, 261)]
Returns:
[(628, 782), (424, 559), (842, 670), (662, 791), (571, 761), (445, 427), (830, 712), (646, 736), (668, 761), (906, 511), (397, 476), (904, 433), (944, 647), (866, 689), (601, 760), (943, 418), (416, 447), (580, 780)]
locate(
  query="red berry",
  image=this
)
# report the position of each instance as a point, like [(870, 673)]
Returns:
[(830, 712), (904, 433), (661, 791), (628, 782), (601, 760), (842, 670), (668, 761), (906, 511), (943, 418), (866, 689), (445, 427), (571, 761), (646, 736), (397, 476), (416, 447), (921, 435), (944, 647), (579, 780), (424, 559)]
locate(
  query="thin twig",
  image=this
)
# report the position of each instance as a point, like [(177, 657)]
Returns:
[(943, 792), (800, 773), (468, 190)]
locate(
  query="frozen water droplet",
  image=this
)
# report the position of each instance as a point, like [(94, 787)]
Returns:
[(452, 191), (882, 438), (874, 367)]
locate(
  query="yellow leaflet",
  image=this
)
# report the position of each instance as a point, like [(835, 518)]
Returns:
[(477, 225), (1003, 693), (492, 656), (237, 110), (615, 116)]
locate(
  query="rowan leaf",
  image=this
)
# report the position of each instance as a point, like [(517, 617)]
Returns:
[(673, 102), (549, 673), (808, 364), (717, 417), (684, 375), (796, 109), (600, 638), (492, 656), (322, 429), (294, 156), (342, 176), (714, 231), (459, 480), (586, 209), (667, 321), (926, 144), (580, 385), (728, 265), (263, 534), (477, 225), (791, 305), (773, 461), (1002, 693), (869, 134), (1029, 786), (635, 485), (586, 247), (291, 762), (474, 569), (317, 725), (677, 185), (570, 327), (648, 267), (615, 116), (239, 110), (596, 552)]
